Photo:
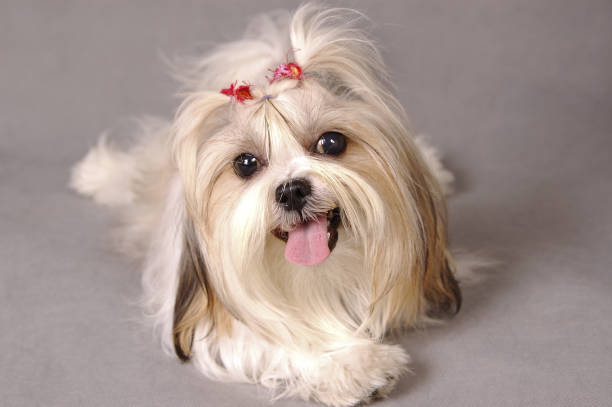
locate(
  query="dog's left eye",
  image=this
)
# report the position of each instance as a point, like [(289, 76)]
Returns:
[(331, 143), (246, 164)]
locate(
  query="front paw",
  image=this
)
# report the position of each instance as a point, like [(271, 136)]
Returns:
[(381, 392), (361, 374)]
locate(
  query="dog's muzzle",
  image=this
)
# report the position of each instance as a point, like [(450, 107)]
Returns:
[(311, 240)]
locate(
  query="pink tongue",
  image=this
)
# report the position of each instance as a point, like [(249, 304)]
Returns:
[(307, 243)]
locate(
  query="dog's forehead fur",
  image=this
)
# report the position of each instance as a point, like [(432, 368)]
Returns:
[(285, 125)]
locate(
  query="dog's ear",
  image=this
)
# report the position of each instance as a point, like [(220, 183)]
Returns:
[(195, 299), (195, 303), (441, 289), (200, 115)]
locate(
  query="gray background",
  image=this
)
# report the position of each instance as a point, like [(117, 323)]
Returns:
[(518, 96)]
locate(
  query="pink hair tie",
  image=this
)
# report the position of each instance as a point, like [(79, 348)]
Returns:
[(289, 70)]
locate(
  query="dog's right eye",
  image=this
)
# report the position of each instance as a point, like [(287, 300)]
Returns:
[(331, 143), (246, 164)]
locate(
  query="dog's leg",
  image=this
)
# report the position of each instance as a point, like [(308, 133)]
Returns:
[(358, 373), (350, 375)]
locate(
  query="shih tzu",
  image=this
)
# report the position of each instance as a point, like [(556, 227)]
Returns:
[(286, 218)]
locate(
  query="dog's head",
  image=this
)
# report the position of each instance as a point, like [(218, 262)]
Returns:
[(308, 201)]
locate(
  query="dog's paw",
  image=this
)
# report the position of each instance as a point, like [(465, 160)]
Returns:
[(383, 391), (361, 375)]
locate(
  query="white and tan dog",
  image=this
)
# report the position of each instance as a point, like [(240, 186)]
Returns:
[(289, 222)]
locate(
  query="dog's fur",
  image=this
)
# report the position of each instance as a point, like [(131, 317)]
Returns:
[(215, 280)]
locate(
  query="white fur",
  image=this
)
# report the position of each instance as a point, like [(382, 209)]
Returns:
[(433, 158), (101, 175), (314, 333)]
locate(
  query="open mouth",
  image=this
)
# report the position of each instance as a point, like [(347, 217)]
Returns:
[(310, 243)]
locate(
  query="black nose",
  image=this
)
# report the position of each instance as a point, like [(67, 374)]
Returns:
[(292, 196)]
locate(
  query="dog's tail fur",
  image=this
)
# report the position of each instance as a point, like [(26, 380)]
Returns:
[(116, 178), (105, 174)]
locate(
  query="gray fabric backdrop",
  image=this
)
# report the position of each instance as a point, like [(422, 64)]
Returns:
[(518, 96)]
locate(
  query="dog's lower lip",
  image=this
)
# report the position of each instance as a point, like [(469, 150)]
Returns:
[(333, 221)]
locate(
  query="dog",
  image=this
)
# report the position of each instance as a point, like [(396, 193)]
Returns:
[(286, 218)]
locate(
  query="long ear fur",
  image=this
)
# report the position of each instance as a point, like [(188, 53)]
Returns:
[(195, 302), (194, 297), (431, 284), (440, 287)]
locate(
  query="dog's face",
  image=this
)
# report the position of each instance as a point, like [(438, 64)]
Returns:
[(309, 206), (296, 168)]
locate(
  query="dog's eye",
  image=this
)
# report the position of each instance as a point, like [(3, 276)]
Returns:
[(246, 164), (331, 143)]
